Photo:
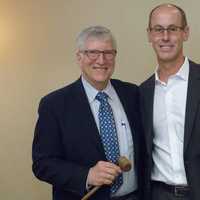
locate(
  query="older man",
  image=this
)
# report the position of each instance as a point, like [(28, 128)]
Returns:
[(84, 127)]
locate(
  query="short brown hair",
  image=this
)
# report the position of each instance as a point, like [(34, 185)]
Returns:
[(182, 12)]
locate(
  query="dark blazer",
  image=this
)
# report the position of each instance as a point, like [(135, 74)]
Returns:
[(67, 142), (191, 133)]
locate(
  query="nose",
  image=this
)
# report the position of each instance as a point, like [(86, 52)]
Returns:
[(101, 60), (166, 35)]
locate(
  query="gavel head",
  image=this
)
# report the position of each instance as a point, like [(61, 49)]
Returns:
[(124, 163)]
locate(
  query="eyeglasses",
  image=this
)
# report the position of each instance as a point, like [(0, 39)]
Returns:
[(158, 30), (94, 54)]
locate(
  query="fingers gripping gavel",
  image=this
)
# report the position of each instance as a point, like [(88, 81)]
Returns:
[(125, 166)]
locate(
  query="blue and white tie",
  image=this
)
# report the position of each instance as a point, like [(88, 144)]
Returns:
[(108, 133)]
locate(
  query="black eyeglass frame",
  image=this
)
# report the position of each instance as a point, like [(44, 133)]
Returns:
[(170, 29), (93, 54)]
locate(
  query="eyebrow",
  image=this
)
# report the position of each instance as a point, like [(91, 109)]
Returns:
[(168, 25)]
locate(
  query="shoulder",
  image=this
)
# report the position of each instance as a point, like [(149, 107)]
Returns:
[(149, 81), (123, 84), (194, 65), (194, 70), (61, 95), (126, 90), (191, 62)]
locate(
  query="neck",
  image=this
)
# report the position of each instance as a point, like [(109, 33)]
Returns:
[(100, 86), (167, 69), (97, 85)]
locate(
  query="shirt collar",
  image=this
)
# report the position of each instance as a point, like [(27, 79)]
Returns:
[(92, 92), (183, 72)]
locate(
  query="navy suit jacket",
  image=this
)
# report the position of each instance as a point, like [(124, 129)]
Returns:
[(67, 142), (191, 130)]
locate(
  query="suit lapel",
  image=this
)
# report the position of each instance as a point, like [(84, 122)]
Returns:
[(86, 116), (125, 99), (147, 95), (193, 99)]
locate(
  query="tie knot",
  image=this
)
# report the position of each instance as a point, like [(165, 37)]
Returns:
[(101, 96)]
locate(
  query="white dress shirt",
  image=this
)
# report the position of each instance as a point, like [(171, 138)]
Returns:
[(123, 131), (168, 124)]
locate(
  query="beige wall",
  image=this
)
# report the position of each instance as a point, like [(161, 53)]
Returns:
[(37, 43)]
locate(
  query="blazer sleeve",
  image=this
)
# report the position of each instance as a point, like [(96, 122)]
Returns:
[(50, 163)]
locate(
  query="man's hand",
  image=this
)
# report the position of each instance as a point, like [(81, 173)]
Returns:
[(103, 173)]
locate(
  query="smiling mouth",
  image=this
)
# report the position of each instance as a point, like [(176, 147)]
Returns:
[(166, 47), (100, 68)]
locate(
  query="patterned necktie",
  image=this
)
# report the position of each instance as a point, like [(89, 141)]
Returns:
[(108, 133)]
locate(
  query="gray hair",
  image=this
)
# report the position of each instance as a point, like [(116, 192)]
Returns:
[(96, 32)]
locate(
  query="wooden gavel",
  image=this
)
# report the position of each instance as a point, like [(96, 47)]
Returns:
[(125, 166)]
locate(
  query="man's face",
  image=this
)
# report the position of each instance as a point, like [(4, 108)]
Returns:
[(97, 67), (168, 44)]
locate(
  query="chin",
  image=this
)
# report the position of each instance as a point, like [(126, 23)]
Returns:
[(101, 78), (102, 81), (166, 57)]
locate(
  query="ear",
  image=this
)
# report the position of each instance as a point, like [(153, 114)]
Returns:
[(78, 56), (149, 35), (186, 33)]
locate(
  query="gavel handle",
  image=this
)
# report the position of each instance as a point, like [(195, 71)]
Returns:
[(125, 166), (91, 192)]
